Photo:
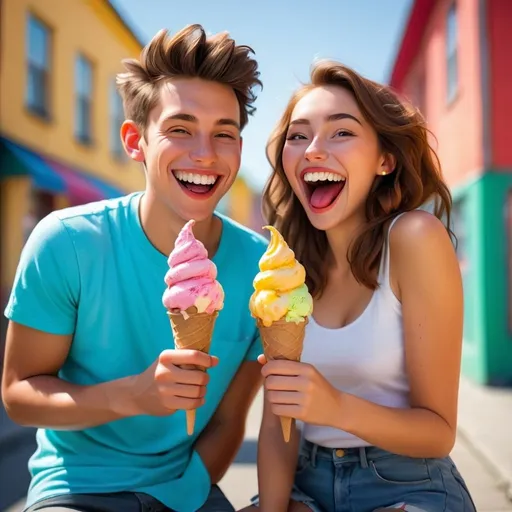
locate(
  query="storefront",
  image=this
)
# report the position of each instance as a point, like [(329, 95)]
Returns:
[(32, 186)]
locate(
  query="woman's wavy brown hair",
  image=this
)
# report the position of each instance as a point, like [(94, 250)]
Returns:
[(416, 179)]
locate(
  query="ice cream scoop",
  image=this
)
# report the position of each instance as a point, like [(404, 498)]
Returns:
[(191, 278), (280, 289)]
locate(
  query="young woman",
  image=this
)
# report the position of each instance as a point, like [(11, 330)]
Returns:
[(377, 387)]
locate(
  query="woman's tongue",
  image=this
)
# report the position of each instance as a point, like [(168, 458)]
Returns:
[(323, 195)]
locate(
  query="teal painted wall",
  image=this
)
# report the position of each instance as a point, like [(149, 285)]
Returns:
[(480, 209)]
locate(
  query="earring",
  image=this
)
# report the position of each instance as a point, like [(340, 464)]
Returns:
[(383, 173)]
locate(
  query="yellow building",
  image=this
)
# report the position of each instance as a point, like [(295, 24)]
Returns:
[(243, 204), (60, 113)]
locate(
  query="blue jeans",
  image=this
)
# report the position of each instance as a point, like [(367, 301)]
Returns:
[(123, 502), (370, 479)]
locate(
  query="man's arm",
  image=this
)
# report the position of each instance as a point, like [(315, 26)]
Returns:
[(218, 444), (34, 396)]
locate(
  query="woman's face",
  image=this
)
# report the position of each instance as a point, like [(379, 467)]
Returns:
[(331, 156)]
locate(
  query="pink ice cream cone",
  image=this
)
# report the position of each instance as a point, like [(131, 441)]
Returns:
[(193, 298)]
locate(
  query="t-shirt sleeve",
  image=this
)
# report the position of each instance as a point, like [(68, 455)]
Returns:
[(255, 349), (46, 287)]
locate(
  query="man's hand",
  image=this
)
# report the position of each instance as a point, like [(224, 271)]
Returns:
[(166, 386), (298, 390)]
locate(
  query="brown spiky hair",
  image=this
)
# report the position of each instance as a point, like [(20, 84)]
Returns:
[(190, 53)]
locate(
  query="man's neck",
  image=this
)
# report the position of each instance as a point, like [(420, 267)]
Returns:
[(162, 227)]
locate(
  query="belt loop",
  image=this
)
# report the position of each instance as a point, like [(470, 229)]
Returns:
[(362, 457), (314, 449)]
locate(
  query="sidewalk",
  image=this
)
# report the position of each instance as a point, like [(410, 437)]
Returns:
[(485, 423)]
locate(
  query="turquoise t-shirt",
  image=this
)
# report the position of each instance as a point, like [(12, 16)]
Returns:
[(90, 271)]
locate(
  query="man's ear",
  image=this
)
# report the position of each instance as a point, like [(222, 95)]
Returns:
[(131, 138)]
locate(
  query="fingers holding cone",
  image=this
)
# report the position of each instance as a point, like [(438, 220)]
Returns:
[(192, 331), (283, 340)]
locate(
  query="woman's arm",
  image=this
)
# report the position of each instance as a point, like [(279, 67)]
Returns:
[(277, 461), (428, 281)]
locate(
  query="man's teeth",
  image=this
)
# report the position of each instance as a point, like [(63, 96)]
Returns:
[(198, 179), (322, 176)]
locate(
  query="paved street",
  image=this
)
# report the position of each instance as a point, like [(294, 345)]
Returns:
[(480, 434)]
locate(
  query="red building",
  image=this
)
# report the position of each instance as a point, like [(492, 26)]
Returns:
[(455, 63)]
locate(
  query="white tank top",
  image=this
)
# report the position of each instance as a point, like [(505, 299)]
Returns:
[(364, 358)]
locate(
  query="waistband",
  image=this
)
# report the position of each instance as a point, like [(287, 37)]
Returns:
[(359, 455)]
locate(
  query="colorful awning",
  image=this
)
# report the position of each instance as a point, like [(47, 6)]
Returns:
[(15, 160), (53, 176)]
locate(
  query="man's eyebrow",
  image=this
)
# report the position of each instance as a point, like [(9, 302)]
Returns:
[(189, 118)]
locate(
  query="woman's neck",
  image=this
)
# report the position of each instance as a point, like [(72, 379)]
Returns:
[(340, 238)]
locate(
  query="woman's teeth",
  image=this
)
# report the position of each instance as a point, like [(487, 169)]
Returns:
[(311, 177)]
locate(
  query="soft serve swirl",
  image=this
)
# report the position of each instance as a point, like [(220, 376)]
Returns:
[(191, 278), (280, 289)]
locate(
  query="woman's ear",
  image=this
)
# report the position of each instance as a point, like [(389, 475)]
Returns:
[(387, 164)]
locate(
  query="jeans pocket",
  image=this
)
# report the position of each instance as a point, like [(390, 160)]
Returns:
[(401, 470), (303, 462), (464, 489)]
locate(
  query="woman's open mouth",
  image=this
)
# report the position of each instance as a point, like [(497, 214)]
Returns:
[(197, 185), (322, 188)]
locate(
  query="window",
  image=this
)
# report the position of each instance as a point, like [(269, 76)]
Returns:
[(38, 67), (116, 120), (83, 91), (451, 54)]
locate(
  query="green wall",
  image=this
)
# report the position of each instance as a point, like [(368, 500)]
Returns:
[(482, 207)]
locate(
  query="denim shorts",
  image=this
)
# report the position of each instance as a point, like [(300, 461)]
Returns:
[(370, 479)]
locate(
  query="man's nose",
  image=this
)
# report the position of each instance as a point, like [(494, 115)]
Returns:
[(204, 152)]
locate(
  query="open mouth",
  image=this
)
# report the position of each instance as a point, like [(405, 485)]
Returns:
[(323, 188), (195, 184)]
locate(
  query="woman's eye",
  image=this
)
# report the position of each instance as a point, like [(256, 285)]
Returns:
[(295, 136)]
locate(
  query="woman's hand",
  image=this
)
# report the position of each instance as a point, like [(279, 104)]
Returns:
[(298, 390)]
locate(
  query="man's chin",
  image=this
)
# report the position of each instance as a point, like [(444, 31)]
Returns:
[(198, 212)]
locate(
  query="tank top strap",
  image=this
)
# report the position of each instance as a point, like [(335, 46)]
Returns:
[(385, 258)]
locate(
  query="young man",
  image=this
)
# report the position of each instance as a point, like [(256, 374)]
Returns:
[(89, 356)]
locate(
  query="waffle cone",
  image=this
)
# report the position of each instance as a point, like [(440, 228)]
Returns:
[(283, 340), (192, 333)]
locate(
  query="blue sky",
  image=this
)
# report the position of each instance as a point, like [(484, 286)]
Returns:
[(286, 36)]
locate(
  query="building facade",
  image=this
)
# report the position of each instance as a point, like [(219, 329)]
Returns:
[(243, 204), (454, 64), (60, 113), (60, 117)]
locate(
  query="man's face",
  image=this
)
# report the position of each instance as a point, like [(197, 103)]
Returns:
[(192, 146)]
